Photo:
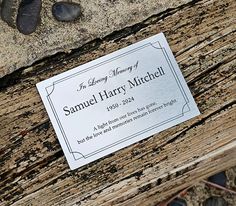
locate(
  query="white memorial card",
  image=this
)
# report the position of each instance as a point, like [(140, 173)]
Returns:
[(117, 100)]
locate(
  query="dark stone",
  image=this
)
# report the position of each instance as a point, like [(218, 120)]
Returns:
[(219, 179), (66, 11), (28, 16), (178, 202), (8, 12), (215, 201)]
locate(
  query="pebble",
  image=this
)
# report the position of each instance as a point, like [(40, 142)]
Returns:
[(66, 11), (8, 11), (215, 201), (178, 202), (28, 16), (219, 179)]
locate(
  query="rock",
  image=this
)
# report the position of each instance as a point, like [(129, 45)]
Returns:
[(215, 201), (8, 11), (66, 11), (28, 16), (219, 179), (178, 202)]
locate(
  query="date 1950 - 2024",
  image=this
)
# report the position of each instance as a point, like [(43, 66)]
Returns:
[(117, 105)]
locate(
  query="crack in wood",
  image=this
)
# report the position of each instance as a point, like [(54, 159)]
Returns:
[(16, 76)]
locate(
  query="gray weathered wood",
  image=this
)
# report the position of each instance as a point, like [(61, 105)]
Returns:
[(33, 169), (99, 18)]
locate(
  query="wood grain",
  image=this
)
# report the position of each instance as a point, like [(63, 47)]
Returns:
[(99, 18), (33, 169)]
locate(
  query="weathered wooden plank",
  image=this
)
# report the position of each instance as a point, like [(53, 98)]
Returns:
[(99, 18), (33, 168)]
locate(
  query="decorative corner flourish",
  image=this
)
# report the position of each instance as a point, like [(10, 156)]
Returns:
[(50, 89), (185, 108)]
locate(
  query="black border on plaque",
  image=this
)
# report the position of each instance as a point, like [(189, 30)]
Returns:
[(133, 135)]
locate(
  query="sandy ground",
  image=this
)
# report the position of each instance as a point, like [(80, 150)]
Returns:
[(99, 18), (197, 195)]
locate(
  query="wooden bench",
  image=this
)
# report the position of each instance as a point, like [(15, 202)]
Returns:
[(33, 169)]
